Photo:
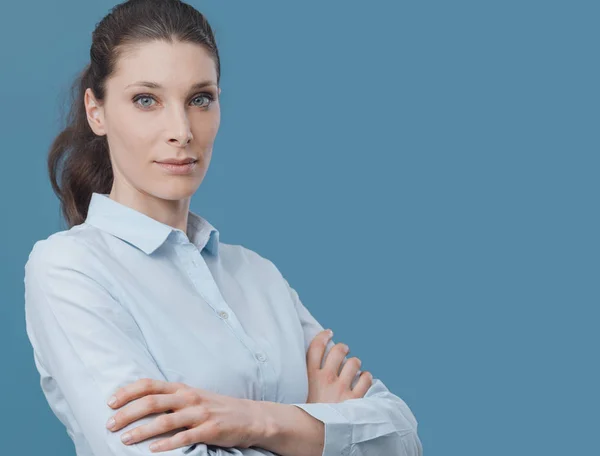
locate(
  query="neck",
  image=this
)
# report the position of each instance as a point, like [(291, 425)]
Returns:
[(170, 212)]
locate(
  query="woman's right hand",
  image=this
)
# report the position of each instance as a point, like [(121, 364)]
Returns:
[(324, 384)]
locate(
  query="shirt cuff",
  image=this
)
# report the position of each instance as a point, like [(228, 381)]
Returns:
[(338, 430)]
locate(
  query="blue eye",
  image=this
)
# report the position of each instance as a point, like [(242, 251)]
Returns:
[(144, 96), (204, 95)]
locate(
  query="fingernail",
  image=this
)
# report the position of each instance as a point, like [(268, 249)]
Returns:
[(110, 423), (112, 401), (346, 348), (125, 438), (330, 333)]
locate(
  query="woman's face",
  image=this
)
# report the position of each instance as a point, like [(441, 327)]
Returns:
[(149, 124)]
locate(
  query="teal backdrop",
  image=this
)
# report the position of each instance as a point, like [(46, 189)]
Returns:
[(425, 174)]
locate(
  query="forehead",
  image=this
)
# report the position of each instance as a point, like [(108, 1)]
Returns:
[(173, 65)]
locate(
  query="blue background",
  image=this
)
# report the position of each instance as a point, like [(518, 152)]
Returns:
[(425, 174)]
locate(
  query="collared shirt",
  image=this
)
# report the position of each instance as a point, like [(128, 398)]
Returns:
[(123, 296)]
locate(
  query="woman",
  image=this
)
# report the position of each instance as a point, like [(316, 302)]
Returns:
[(204, 346)]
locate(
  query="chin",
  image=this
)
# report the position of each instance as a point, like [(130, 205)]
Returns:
[(176, 191)]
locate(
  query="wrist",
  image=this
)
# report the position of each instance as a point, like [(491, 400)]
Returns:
[(266, 427), (289, 430)]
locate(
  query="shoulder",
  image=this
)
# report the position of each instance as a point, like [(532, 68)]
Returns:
[(67, 263), (237, 254), (68, 248)]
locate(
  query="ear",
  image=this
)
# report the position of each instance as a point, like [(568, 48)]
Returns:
[(95, 112)]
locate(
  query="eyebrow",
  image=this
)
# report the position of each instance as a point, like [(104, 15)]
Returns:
[(155, 85)]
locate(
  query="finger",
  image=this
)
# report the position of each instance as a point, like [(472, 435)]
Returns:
[(349, 370), (335, 357), (181, 439), (316, 350), (141, 388), (363, 384), (160, 425), (154, 403)]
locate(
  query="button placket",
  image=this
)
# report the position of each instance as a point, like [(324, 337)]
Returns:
[(216, 297), (209, 291), (261, 357), (212, 295)]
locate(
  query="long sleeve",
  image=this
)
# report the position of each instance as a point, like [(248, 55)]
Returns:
[(87, 345), (380, 423)]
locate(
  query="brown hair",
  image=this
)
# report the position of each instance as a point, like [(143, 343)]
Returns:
[(78, 160)]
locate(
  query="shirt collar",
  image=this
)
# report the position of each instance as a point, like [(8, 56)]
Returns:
[(143, 231)]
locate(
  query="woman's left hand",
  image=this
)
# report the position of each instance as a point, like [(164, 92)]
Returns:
[(209, 417)]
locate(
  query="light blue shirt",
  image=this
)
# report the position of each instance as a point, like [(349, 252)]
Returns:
[(123, 296)]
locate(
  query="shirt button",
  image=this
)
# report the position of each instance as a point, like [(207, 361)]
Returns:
[(260, 357), (224, 315)]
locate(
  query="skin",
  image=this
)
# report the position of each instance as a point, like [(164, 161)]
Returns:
[(144, 125), (174, 121), (225, 421)]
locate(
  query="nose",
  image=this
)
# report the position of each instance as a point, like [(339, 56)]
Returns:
[(180, 131)]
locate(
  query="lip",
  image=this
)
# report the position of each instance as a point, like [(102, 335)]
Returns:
[(172, 168), (181, 161)]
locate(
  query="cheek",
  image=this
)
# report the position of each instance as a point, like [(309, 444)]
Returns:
[(136, 140), (135, 133), (206, 127), (131, 154), (216, 121)]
